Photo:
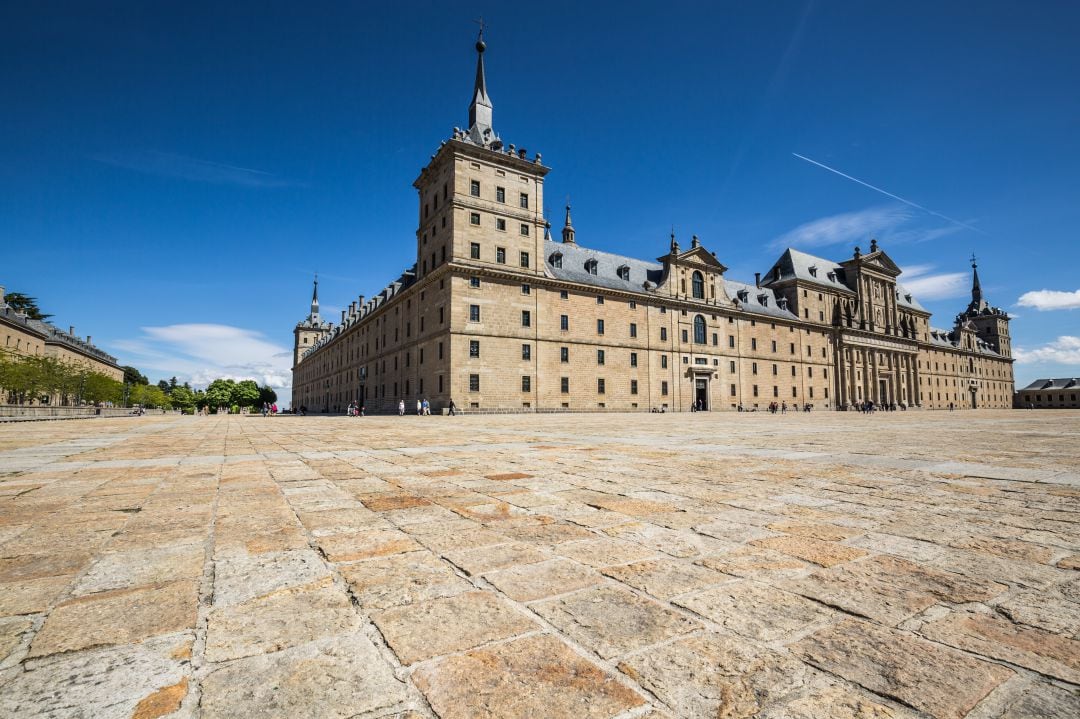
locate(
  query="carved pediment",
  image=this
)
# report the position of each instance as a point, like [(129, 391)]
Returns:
[(701, 257), (878, 261)]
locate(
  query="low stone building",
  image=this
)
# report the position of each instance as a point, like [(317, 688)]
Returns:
[(1059, 393), (497, 315), (26, 337)]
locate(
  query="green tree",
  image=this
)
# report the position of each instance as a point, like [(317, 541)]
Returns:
[(133, 376), (245, 393), (25, 304), (267, 395), (98, 388), (163, 385), (220, 393), (183, 398)]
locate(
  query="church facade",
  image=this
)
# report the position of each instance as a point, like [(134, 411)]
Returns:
[(497, 315)]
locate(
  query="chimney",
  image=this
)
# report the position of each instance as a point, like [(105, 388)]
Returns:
[(88, 341), (757, 279), (71, 330), (343, 317)]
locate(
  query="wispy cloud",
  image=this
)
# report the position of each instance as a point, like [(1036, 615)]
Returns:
[(166, 164), (1044, 300), (920, 281), (1064, 350), (846, 227), (200, 353), (917, 206)]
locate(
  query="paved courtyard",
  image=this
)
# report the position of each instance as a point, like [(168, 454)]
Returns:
[(695, 565)]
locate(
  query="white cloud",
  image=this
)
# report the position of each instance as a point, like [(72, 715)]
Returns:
[(1043, 300), (1063, 350), (918, 280), (201, 353), (846, 227), (167, 164)]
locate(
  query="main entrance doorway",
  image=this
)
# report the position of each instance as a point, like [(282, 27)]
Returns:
[(974, 398), (883, 392), (701, 394)]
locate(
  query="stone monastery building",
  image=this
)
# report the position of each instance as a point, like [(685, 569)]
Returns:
[(497, 315)]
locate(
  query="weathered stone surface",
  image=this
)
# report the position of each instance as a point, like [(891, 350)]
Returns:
[(603, 552), (944, 683), (165, 700), (243, 577), (333, 678), (734, 531), (827, 554), (668, 541), (1047, 610), (97, 684), (834, 702), (133, 568), (756, 610), (824, 532), (612, 620), (536, 676), (363, 545), (753, 562), (484, 559), (401, 579), (992, 636), (1008, 548), (117, 617), (449, 624), (715, 675), (280, 619), (1044, 700), (666, 578), (527, 582), (12, 630), (31, 595), (37, 566)]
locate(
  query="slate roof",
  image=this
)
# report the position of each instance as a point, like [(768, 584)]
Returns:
[(55, 334), (1058, 383), (947, 339)]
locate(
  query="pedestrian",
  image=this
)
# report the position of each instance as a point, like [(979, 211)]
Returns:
[(427, 408), (783, 408), (401, 408), (419, 407), (453, 408), (273, 408)]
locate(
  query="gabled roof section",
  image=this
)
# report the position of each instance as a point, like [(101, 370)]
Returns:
[(1057, 383), (641, 275), (797, 265), (696, 255), (877, 260)]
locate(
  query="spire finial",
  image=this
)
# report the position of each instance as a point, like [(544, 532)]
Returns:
[(480, 108), (973, 263), (674, 244), (568, 227)]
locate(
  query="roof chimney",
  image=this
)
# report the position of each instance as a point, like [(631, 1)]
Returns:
[(71, 330), (757, 279), (88, 341)]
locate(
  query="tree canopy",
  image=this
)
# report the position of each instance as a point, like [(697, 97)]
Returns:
[(25, 304), (134, 376)]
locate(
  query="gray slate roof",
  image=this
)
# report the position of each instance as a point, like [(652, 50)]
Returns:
[(1057, 383)]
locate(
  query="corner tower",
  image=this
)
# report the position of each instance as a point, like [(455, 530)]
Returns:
[(480, 200), (991, 323), (311, 329)]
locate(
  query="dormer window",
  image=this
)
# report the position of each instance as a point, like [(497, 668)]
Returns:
[(763, 300), (743, 295), (591, 266), (623, 272), (556, 259), (832, 277), (782, 303), (813, 271), (908, 297)]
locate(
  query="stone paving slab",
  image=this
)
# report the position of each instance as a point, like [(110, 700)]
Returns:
[(903, 566)]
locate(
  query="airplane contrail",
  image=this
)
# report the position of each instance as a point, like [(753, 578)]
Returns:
[(889, 194)]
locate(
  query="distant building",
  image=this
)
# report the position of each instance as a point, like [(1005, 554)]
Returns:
[(22, 336), (1063, 393), (497, 315)]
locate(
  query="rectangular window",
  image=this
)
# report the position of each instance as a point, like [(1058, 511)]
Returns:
[(663, 361), (474, 313), (600, 386), (526, 383), (633, 305), (755, 391), (474, 383), (599, 299), (633, 359), (564, 295), (474, 250), (663, 334), (731, 341), (599, 327), (526, 289), (599, 356), (524, 229), (440, 315), (564, 385), (524, 201), (440, 350), (500, 255), (753, 368), (753, 343), (792, 348), (715, 339), (524, 259), (731, 366), (633, 386), (774, 345), (526, 318), (732, 390), (474, 188), (663, 388), (500, 194), (500, 224), (474, 348), (526, 352), (474, 218), (564, 354), (474, 282), (564, 322), (633, 329), (685, 337)]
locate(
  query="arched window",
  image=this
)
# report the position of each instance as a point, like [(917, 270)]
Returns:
[(698, 286), (699, 330)]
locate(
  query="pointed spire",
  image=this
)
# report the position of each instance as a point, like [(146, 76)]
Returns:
[(480, 108), (568, 228), (315, 299), (978, 304), (674, 244)]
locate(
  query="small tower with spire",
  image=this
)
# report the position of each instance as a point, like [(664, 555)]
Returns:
[(480, 109), (568, 228), (311, 329), (991, 323)]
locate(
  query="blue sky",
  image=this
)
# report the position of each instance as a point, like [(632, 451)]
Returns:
[(171, 174)]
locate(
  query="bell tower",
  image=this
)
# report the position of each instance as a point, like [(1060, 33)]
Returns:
[(311, 329), (991, 323)]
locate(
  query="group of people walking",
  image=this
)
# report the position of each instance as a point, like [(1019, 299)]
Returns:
[(423, 408), (269, 408)]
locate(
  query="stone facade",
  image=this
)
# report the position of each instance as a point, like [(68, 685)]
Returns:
[(25, 337), (1061, 393), (497, 315)]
